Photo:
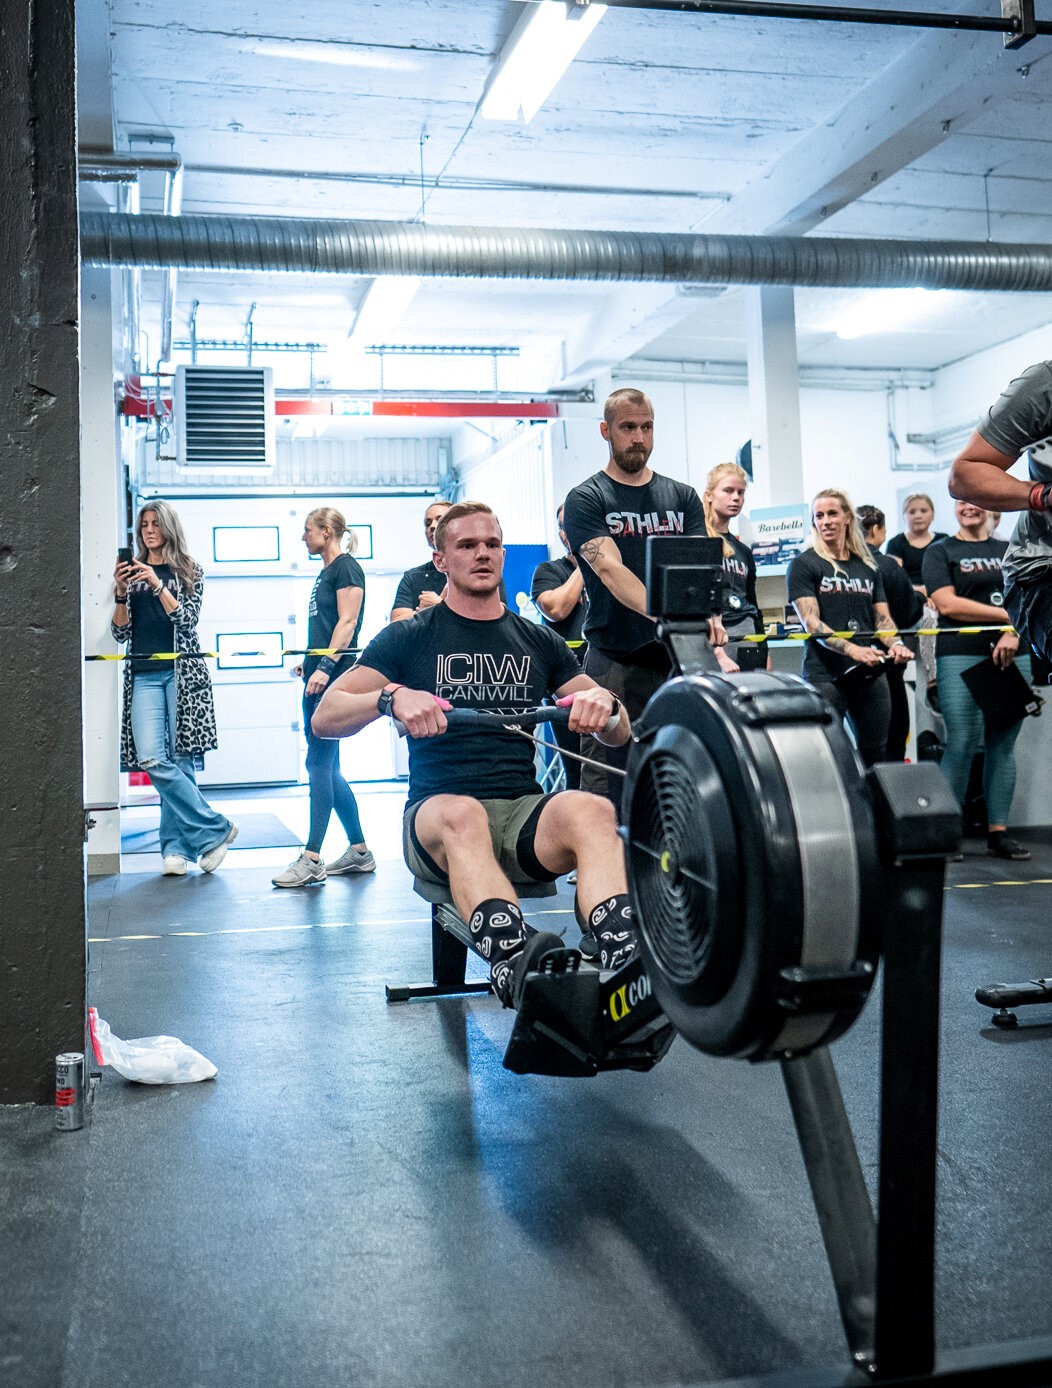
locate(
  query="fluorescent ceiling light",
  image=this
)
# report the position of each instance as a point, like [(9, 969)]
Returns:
[(886, 310), (336, 54), (386, 299), (546, 40)]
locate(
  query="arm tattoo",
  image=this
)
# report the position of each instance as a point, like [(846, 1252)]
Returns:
[(831, 642), (886, 624), (590, 551), (807, 611)]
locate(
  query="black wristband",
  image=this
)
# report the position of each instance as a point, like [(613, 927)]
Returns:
[(326, 665)]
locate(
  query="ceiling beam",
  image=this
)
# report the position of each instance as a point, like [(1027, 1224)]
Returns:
[(934, 90), (938, 87)]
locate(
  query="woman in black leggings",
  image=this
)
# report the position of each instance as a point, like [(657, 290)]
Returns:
[(835, 586)]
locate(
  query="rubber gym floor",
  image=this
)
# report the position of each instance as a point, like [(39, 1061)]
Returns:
[(364, 1196)]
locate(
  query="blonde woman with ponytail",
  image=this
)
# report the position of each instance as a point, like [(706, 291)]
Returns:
[(337, 605), (835, 586), (722, 502)]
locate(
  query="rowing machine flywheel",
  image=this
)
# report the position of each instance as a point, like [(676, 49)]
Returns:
[(753, 864)]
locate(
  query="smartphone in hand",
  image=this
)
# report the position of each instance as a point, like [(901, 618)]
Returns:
[(124, 555)]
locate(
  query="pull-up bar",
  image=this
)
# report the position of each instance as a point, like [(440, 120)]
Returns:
[(1017, 22)]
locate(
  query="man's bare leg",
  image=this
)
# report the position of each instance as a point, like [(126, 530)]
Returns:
[(579, 830), (454, 831)]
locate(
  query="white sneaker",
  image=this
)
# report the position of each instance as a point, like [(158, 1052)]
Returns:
[(353, 860), (304, 872), (209, 861), (174, 865)]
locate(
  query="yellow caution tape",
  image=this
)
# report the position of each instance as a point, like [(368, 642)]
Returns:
[(851, 635), (214, 655), (574, 645)]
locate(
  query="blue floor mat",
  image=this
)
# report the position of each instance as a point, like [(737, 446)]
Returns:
[(254, 831)]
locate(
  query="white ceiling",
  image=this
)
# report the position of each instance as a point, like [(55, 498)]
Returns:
[(665, 122)]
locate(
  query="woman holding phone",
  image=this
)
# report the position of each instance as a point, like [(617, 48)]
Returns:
[(168, 720)]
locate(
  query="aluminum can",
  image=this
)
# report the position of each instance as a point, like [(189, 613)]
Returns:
[(69, 1091)]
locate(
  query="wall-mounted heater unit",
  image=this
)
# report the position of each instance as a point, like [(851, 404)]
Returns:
[(224, 419)]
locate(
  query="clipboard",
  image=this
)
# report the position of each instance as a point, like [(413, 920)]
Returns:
[(1003, 695)]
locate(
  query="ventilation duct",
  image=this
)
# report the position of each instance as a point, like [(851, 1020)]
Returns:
[(409, 248), (224, 417)]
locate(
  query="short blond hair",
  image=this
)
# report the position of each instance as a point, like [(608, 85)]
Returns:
[(456, 512)]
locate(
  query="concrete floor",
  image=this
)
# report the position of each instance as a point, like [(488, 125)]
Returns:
[(364, 1196)]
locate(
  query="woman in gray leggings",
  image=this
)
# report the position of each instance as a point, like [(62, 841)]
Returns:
[(963, 577)]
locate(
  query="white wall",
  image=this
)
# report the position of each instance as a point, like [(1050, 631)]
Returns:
[(101, 533), (965, 390), (515, 478)]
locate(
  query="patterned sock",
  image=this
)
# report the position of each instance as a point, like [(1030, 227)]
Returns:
[(611, 923), (498, 934)]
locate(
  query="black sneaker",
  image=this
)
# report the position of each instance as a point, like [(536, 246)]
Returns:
[(542, 953), (588, 945), (999, 845)]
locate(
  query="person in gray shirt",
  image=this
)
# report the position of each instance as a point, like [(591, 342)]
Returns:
[(1020, 420)]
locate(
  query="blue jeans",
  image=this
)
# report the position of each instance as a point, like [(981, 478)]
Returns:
[(189, 825), (966, 733)]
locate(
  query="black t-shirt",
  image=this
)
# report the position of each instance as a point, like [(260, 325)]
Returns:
[(501, 666), (972, 568), (601, 506), (151, 624), (1022, 419), (904, 602), (554, 574), (323, 612), (739, 586), (912, 558), (846, 593), (425, 578)]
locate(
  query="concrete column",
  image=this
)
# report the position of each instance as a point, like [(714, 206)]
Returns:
[(43, 947), (102, 526), (774, 397)]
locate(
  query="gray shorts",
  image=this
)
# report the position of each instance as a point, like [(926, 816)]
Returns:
[(512, 826)]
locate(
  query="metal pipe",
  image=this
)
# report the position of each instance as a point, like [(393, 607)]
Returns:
[(192, 326), (173, 203), (131, 283), (126, 169), (104, 167), (839, 14), (409, 248)]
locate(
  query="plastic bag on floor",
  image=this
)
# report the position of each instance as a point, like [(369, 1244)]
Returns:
[(148, 1059)]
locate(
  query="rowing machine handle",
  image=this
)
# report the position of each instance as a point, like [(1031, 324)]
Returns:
[(483, 719)]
